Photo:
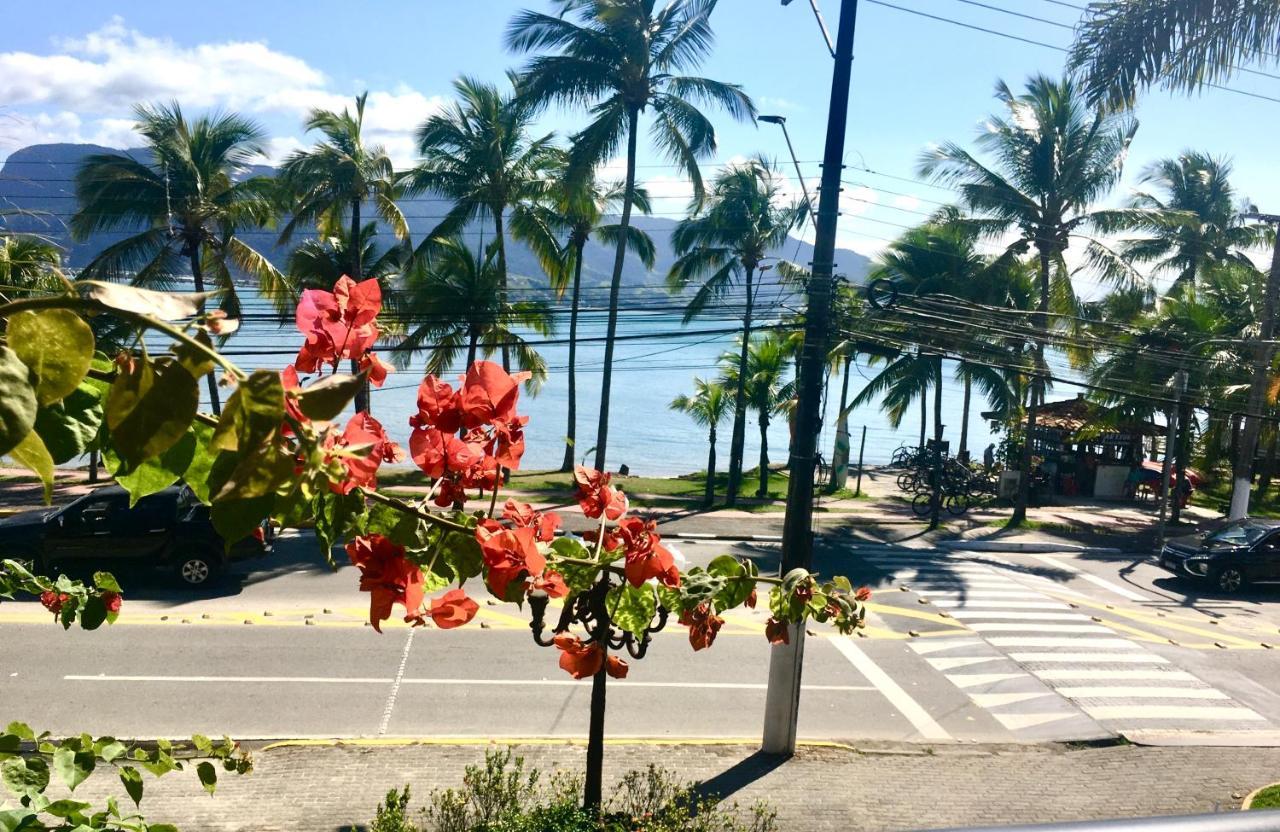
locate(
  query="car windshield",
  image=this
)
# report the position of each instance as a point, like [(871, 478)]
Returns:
[(1239, 534)]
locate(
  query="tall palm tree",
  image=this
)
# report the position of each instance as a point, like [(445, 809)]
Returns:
[(29, 265), (453, 305), (1190, 219), (479, 154), (1053, 158), (618, 59), (1125, 46), (708, 407), (319, 262), (723, 244), (187, 204), (769, 359), (558, 230), (328, 184)]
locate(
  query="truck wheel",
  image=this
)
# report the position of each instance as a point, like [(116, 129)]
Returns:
[(1229, 579), (197, 569)]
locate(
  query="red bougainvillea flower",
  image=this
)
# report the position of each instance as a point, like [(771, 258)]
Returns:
[(646, 557), (112, 601), (437, 453), (804, 591), (489, 394), (616, 667), (751, 599), (507, 445), (596, 497), (53, 601), (370, 446), (453, 609), (338, 324), (289, 379), (776, 631), (552, 584), (577, 659), (387, 575), (439, 406), (510, 554), (703, 626), (863, 593), (522, 516), (374, 367)]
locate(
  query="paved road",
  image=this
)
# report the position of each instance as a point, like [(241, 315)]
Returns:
[(978, 648)]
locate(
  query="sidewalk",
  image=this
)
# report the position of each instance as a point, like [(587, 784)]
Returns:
[(824, 788)]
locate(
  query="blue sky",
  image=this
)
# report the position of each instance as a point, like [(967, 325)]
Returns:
[(69, 70)]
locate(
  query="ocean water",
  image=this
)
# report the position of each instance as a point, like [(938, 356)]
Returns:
[(656, 361)]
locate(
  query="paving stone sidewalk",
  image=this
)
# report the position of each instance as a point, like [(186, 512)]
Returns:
[(335, 788)]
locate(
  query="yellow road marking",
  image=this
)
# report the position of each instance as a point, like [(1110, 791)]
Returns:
[(1155, 621), (923, 615), (393, 742)]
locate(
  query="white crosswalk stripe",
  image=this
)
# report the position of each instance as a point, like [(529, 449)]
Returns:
[(1043, 670)]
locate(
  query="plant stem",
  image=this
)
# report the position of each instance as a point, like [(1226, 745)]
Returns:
[(408, 509)]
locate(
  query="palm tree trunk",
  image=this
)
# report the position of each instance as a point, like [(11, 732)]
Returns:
[(572, 434), (964, 418), (1183, 459), (764, 455), (197, 277), (1268, 462), (924, 417), (709, 498), (498, 226), (935, 508), (619, 259), (473, 338), (840, 453), (737, 446), (362, 392), (1042, 324)]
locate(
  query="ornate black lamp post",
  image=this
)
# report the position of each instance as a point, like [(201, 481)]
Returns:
[(590, 610)]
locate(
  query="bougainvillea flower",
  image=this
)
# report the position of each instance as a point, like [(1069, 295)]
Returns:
[(577, 659), (438, 406), (703, 626), (777, 631), (53, 601), (596, 496), (337, 324), (863, 593), (751, 599), (489, 394), (453, 609), (646, 557), (363, 432), (112, 601), (522, 516), (438, 453), (510, 554), (289, 380), (374, 368), (508, 442), (387, 575), (551, 583), (616, 667)]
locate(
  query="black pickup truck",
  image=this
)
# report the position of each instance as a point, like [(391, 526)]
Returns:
[(169, 530)]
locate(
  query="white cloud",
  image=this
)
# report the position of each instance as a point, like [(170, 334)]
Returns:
[(768, 103), (907, 202)]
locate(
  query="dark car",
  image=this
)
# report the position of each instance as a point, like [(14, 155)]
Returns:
[(1242, 552), (170, 530)]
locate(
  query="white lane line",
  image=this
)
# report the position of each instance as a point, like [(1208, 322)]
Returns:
[(948, 663), (925, 725), (973, 603), (938, 644), (1137, 692), (1017, 722), (1189, 712), (1018, 615), (1087, 641), (1116, 675), (998, 700), (1034, 627), (395, 686), (1090, 658), (1091, 578), (973, 680), (324, 680), (975, 585)]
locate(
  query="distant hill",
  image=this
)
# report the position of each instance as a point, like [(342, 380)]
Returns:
[(37, 196)]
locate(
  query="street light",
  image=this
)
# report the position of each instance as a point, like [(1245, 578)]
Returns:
[(782, 122), (822, 24)]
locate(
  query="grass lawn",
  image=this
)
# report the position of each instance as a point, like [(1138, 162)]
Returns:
[(1268, 798), (1218, 494)]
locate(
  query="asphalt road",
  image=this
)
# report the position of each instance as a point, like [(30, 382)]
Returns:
[(978, 648)]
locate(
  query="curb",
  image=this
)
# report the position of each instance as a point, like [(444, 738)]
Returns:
[(1028, 548), (1204, 739), (1247, 803)]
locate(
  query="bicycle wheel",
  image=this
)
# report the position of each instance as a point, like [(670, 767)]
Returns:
[(906, 482), (956, 504), (922, 504)]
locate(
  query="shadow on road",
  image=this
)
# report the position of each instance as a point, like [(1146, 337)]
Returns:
[(740, 775)]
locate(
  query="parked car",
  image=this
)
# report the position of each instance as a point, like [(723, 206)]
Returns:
[(170, 530), (1242, 552)]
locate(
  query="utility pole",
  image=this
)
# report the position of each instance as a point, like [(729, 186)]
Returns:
[(1242, 468), (782, 703), (1171, 442)]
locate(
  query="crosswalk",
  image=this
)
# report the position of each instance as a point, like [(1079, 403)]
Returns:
[(1044, 670)]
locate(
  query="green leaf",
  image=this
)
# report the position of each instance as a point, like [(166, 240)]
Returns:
[(94, 614), (461, 553), (400, 526), (194, 361), (20, 729), (132, 780), (24, 777), (325, 399), (66, 808), (17, 400), (112, 750), (335, 515), (735, 592), (208, 777), (236, 519), (18, 820), (632, 607), (31, 454), (250, 474), (167, 306), (70, 426), (202, 743), (57, 345), (72, 766), (252, 414), (150, 408), (153, 474), (197, 474), (106, 582)]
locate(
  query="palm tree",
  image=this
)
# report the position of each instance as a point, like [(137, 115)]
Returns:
[(452, 304), (479, 154), (1125, 46), (29, 265), (768, 360), (708, 407), (723, 243), (187, 205), (1053, 158), (618, 59), (575, 209), (1191, 221)]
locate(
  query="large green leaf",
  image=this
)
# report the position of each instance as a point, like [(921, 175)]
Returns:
[(326, 399), (69, 427), (57, 345), (72, 765), (167, 306), (33, 455), (132, 780), (236, 519), (632, 607), (150, 408), (252, 414), (17, 400), (154, 474), (197, 473), (25, 777)]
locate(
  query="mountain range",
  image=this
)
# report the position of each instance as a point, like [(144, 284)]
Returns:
[(37, 196)]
